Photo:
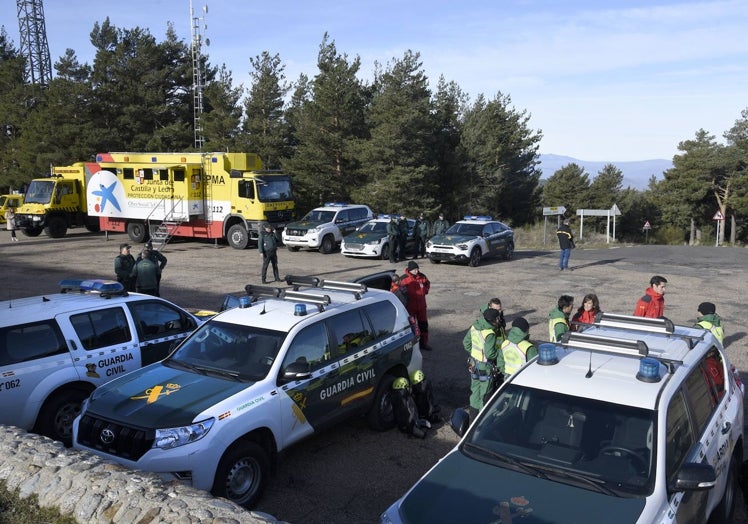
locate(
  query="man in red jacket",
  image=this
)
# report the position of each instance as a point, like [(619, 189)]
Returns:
[(417, 286), (652, 304)]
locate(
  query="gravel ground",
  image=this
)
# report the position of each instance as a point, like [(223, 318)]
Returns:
[(351, 474)]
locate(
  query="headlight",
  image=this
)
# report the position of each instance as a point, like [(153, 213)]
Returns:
[(462, 247), (375, 242), (175, 437), (313, 230), (429, 243)]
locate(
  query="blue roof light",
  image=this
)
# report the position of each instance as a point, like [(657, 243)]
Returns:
[(105, 287), (649, 370), (244, 302), (547, 354), (477, 217), (299, 310), (336, 204)]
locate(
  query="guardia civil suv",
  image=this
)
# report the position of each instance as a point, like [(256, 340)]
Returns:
[(253, 380), (371, 239), (634, 420), (56, 348), (471, 240), (323, 228)]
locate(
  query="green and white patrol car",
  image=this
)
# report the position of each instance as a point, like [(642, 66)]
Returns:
[(471, 240), (371, 239), (324, 227), (55, 349), (253, 380), (633, 420)]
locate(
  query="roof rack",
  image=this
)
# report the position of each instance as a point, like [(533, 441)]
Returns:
[(275, 292), (104, 288), (334, 285), (649, 325)]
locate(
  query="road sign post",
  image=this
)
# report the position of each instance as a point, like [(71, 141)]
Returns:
[(718, 217), (647, 226)]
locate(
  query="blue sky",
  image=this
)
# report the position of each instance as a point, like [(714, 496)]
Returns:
[(603, 80)]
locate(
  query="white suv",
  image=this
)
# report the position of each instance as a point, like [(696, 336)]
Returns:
[(632, 420), (55, 349), (323, 228), (253, 380)]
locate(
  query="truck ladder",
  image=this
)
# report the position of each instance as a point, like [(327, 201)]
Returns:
[(168, 226)]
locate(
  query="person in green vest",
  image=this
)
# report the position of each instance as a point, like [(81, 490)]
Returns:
[(709, 319), (484, 349), (495, 303), (517, 348), (558, 318)]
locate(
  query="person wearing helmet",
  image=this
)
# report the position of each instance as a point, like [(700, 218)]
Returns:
[(517, 349), (405, 409), (483, 344), (423, 395)]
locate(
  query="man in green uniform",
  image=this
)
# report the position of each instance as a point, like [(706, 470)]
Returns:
[(267, 244), (146, 275), (484, 347), (709, 319), (517, 349), (123, 264), (558, 318)]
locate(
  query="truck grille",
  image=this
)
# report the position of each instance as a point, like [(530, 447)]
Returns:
[(283, 215), (114, 439), (295, 232)]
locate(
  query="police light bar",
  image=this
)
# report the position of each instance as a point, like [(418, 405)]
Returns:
[(387, 215), (103, 287), (650, 325), (336, 204), (612, 345), (477, 217)]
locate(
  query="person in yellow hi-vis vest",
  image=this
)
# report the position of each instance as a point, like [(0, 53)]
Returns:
[(558, 318), (517, 348), (709, 319), (483, 344)]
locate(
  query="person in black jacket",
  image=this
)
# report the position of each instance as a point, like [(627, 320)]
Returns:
[(566, 243), (267, 244)]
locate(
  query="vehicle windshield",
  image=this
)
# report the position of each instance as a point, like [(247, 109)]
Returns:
[(373, 227), (39, 192), (319, 216), (570, 439), (239, 352), (470, 230), (274, 188)]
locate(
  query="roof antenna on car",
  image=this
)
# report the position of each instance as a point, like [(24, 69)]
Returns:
[(263, 308), (589, 371)]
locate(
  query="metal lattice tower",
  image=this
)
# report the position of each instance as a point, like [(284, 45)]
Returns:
[(34, 46), (198, 27)]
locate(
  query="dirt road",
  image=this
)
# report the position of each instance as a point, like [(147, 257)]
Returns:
[(351, 474)]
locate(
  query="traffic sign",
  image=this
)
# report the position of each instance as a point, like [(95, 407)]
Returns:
[(555, 210), (718, 215), (647, 225)]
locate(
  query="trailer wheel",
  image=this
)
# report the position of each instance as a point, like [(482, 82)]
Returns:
[(137, 231), (56, 227), (238, 237), (32, 231)]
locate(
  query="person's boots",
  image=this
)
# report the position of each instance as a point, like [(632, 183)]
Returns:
[(277, 277)]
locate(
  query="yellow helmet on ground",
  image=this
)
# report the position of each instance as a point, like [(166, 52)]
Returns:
[(401, 383), (417, 377)]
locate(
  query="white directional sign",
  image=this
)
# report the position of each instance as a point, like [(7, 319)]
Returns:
[(556, 210)]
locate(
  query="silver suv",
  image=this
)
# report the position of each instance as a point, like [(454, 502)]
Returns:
[(633, 420), (253, 380)]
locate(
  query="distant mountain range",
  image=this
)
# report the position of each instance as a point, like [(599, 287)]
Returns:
[(636, 174)]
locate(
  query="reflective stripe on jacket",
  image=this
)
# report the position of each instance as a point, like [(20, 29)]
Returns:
[(515, 355), (478, 343)]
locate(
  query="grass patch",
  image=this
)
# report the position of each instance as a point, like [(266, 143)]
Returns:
[(14, 509)]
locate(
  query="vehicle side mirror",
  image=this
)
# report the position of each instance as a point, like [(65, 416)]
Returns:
[(694, 477), (298, 370), (460, 422)]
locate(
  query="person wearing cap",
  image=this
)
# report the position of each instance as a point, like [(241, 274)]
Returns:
[(146, 274), (421, 232), (709, 319), (123, 265), (417, 286), (440, 225), (402, 238), (652, 304), (517, 348), (483, 345), (267, 245), (565, 243), (392, 235), (558, 318)]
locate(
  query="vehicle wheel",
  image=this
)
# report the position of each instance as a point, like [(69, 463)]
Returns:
[(381, 416), (385, 254), (242, 474), (292, 249), (238, 237), (328, 244), (32, 231), (725, 510), (56, 416), (435, 260), (509, 253), (474, 260), (137, 231), (56, 227), (93, 228)]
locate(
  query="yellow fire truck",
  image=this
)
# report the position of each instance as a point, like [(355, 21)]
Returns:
[(199, 195)]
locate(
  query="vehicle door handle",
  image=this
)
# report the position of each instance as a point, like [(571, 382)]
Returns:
[(726, 427)]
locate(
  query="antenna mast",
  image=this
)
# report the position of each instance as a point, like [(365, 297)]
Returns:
[(198, 30), (34, 46)]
